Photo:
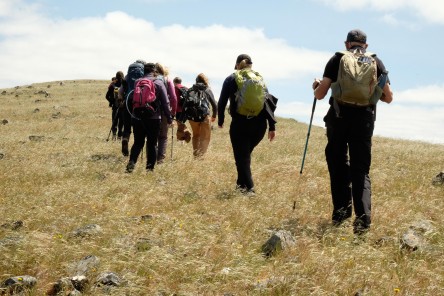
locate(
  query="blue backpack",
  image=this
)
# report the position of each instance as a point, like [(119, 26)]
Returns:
[(135, 71)]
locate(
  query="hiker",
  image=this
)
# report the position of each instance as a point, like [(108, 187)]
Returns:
[(200, 124), (146, 118), (109, 96), (163, 134), (116, 104), (135, 71), (182, 134), (246, 131), (350, 124)]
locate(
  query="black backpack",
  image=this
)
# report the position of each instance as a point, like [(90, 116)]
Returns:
[(196, 105), (182, 95)]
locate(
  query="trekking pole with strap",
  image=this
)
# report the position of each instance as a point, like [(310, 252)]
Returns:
[(308, 134), (114, 120)]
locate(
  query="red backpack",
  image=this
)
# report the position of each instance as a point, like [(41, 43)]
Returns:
[(144, 94)]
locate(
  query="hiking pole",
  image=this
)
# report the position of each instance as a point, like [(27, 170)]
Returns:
[(172, 140), (114, 120), (308, 134)]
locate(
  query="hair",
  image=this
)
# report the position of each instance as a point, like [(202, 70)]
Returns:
[(162, 70), (150, 68), (243, 64), (119, 75), (141, 62), (177, 80), (114, 78), (202, 79)]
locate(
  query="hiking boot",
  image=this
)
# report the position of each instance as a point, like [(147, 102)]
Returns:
[(250, 193), (125, 151), (339, 216), (245, 191), (360, 227), (130, 166), (149, 167)]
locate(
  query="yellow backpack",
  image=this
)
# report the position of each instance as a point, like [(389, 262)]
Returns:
[(357, 82), (250, 96)]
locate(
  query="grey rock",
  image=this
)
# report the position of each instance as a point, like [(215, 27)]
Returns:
[(279, 241), (438, 179), (411, 240), (19, 284), (85, 266), (108, 279), (87, 230), (423, 227)]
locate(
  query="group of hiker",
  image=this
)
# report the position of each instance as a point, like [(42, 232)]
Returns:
[(147, 101)]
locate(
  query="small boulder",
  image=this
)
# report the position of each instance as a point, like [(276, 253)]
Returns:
[(279, 241), (19, 284), (438, 179), (108, 279)]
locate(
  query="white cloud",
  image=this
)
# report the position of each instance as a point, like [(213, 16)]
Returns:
[(430, 95), (410, 122), (430, 10), (46, 50)]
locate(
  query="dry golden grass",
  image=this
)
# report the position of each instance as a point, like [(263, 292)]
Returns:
[(202, 238)]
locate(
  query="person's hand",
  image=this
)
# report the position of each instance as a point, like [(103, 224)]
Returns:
[(316, 83), (271, 135)]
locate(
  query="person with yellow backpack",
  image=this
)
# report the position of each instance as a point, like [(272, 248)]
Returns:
[(116, 105), (247, 93), (358, 80)]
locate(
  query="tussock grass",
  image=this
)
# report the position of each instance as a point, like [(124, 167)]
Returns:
[(198, 236)]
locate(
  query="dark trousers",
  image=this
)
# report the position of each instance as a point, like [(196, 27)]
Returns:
[(117, 121), (348, 154), (145, 129), (162, 140), (126, 123), (245, 135)]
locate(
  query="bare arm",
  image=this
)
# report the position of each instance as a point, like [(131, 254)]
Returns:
[(387, 95), (321, 87)]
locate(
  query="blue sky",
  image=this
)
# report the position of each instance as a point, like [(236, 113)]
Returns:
[(289, 42)]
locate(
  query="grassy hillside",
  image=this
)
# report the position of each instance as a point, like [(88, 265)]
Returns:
[(182, 229)]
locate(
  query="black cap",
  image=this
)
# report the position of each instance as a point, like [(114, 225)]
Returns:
[(356, 36), (242, 57)]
